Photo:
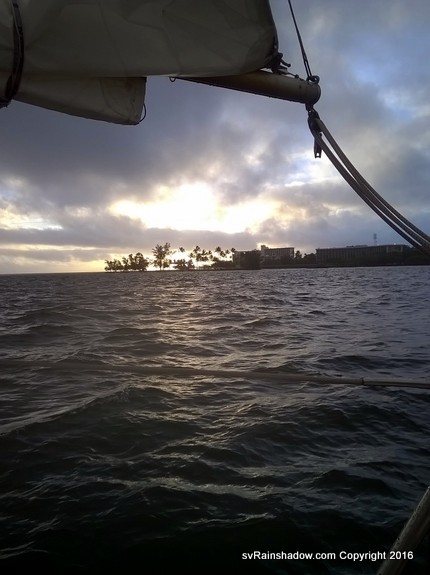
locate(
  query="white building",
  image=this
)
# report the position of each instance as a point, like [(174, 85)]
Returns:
[(275, 254)]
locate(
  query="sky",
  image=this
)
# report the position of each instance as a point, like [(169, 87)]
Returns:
[(210, 167)]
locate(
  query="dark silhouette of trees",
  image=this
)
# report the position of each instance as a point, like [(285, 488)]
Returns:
[(216, 259), (250, 260), (196, 254), (140, 262), (113, 265), (310, 259), (184, 265), (161, 256), (130, 263)]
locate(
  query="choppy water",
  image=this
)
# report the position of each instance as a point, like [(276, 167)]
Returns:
[(106, 466)]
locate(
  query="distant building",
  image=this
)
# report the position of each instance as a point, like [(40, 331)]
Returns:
[(273, 255), (266, 257), (353, 254)]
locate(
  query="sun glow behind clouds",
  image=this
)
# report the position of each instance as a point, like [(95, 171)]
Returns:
[(196, 207)]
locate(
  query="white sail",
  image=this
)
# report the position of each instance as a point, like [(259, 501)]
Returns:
[(90, 57)]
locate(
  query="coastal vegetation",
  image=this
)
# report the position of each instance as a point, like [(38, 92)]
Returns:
[(164, 257), (132, 262)]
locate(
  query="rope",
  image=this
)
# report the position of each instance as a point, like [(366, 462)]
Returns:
[(352, 176), (280, 377), (273, 376), (310, 76)]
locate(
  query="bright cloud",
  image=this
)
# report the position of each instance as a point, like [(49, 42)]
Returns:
[(196, 207)]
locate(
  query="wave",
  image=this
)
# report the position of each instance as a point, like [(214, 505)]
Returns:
[(44, 416)]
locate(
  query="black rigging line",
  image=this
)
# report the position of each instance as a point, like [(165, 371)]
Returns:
[(413, 235), (310, 76)]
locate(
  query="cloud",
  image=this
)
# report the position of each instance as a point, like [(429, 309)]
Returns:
[(61, 177)]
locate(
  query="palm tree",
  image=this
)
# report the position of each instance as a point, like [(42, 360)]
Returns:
[(204, 257), (196, 254), (183, 265), (161, 254), (125, 264)]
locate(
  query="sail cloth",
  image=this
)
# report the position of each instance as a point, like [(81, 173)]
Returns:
[(90, 58)]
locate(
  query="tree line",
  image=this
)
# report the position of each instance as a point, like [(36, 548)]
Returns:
[(164, 258)]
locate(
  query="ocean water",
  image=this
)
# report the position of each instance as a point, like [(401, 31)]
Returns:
[(115, 460)]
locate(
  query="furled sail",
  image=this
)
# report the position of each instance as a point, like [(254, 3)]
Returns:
[(91, 57)]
